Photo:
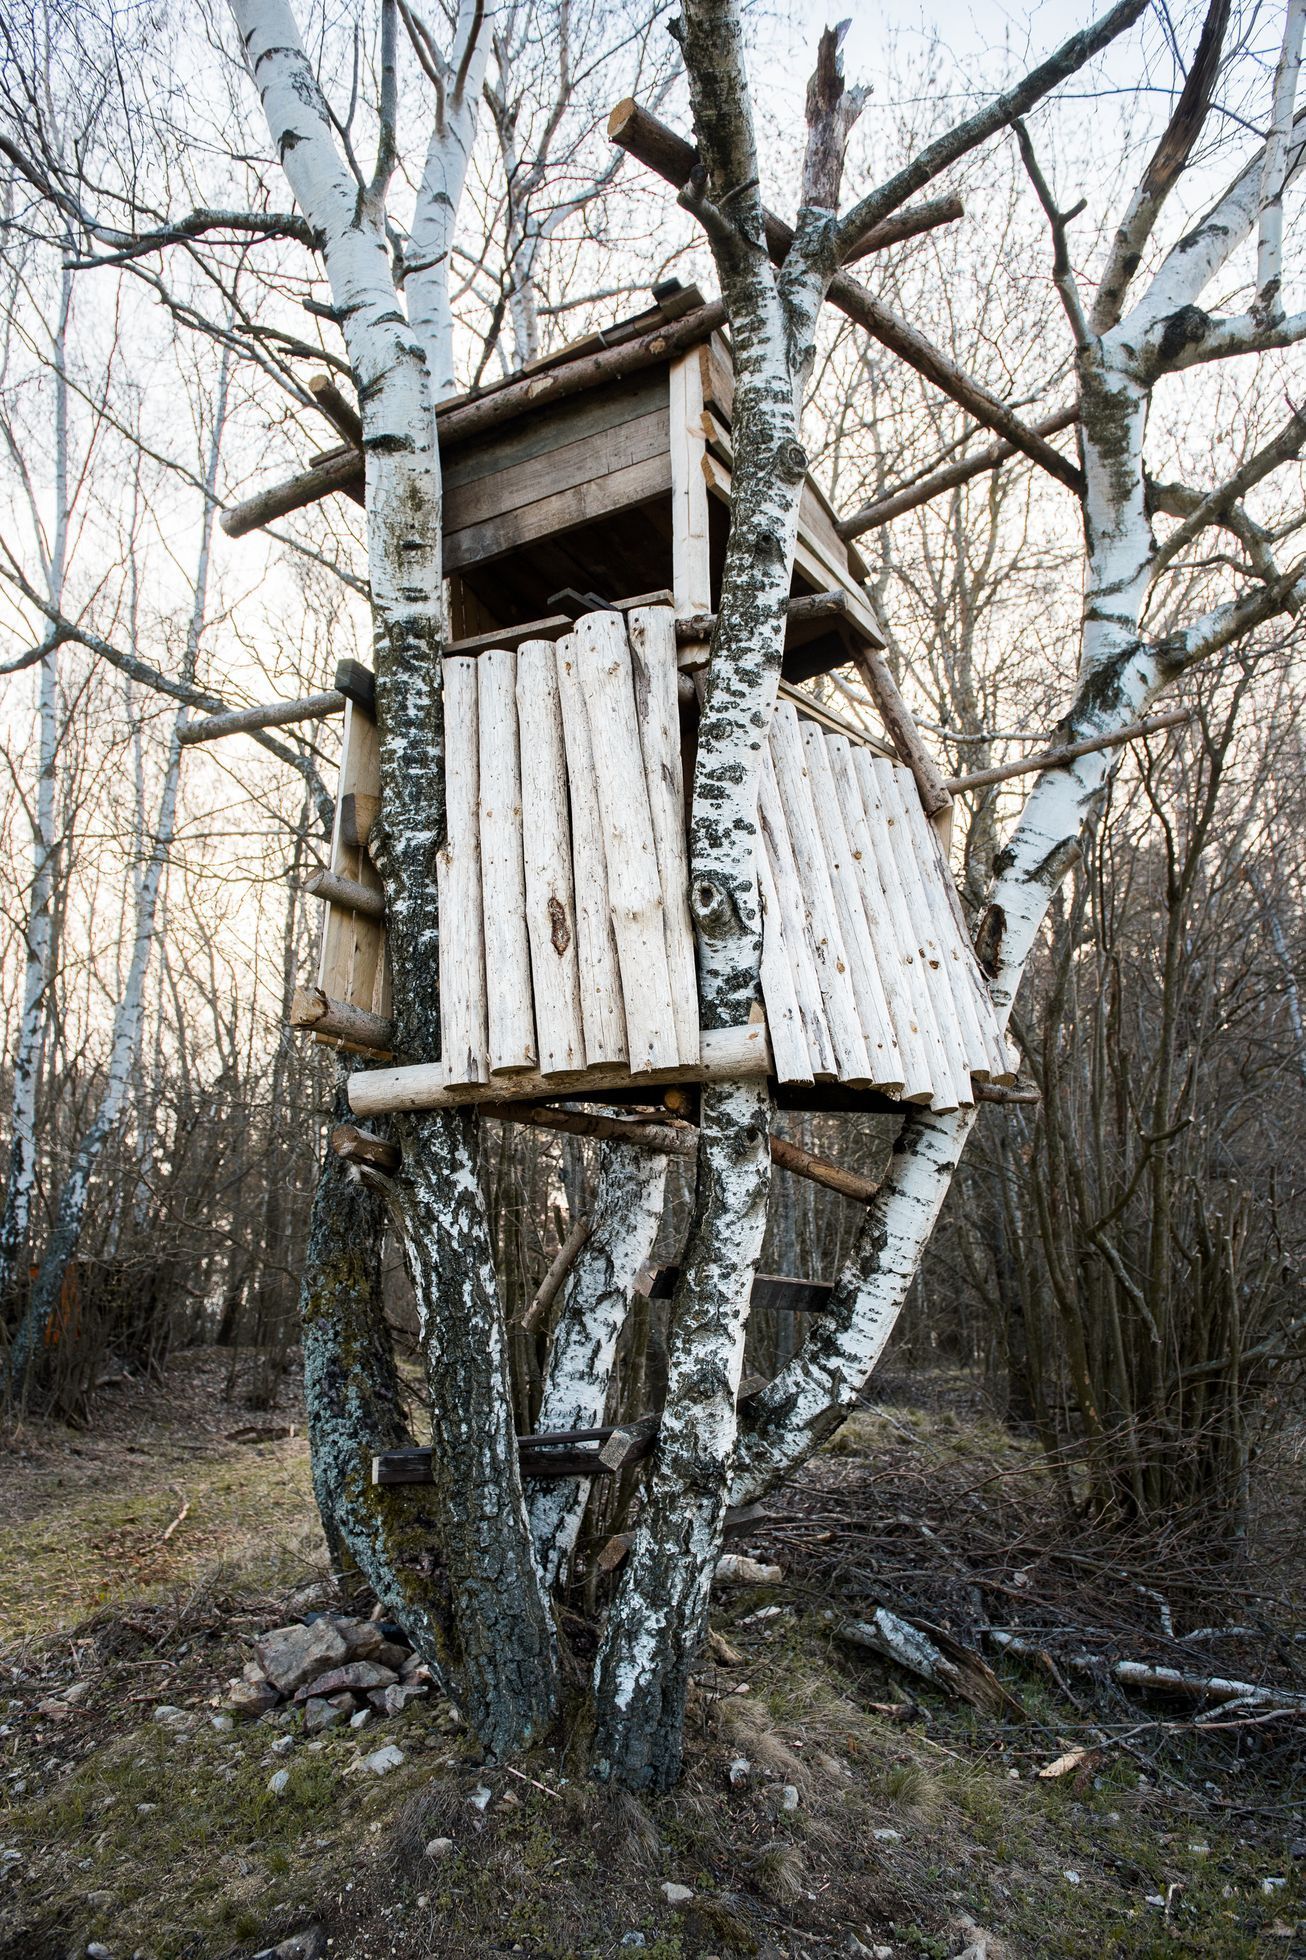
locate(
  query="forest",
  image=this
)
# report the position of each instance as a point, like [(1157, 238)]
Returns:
[(654, 825)]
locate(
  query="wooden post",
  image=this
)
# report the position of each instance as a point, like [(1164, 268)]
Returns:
[(652, 632), (464, 1032), (691, 573), (794, 923), (902, 730), (546, 848), (602, 1013)]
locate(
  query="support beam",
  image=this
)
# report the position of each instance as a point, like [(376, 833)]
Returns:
[(279, 714), (340, 412), (557, 1453), (912, 495), (335, 889), (727, 1054), (1034, 765), (462, 419), (801, 1163), (695, 627), (316, 1012), (902, 730), (651, 143)]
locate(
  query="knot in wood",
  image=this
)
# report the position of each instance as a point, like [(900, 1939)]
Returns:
[(791, 462), (711, 907)]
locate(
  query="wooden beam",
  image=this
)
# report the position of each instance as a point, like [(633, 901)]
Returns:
[(553, 1454), (771, 1292), (902, 730), (1054, 758), (1002, 1092), (647, 139), (726, 1054), (357, 1146), (461, 420), (871, 516), (333, 888), (849, 1184), (312, 1010), (358, 684), (694, 627), (661, 150), (279, 714), (358, 813), (339, 411)]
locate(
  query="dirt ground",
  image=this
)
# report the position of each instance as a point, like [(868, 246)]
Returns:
[(832, 1805)]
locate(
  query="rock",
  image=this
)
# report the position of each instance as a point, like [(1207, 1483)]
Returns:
[(165, 1712), (382, 1761), (283, 1745), (439, 1848), (253, 1672), (361, 1637), (361, 1719), (358, 1676), (144, 1809), (480, 1797), (289, 1656), (414, 1667), (78, 1692), (99, 1901), (250, 1698), (789, 1797), (633, 1939), (221, 1722), (677, 1895), (278, 1781), (319, 1713), (887, 1837), (97, 1952), (739, 1772), (391, 1654), (732, 1568), (308, 1945), (396, 1699)]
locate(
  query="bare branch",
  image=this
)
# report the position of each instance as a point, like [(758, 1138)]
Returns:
[(1063, 276), (1274, 170)]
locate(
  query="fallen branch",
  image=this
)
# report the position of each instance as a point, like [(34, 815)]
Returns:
[(921, 1651), (1144, 1674)]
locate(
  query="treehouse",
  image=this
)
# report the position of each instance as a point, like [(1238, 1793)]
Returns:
[(586, 512)]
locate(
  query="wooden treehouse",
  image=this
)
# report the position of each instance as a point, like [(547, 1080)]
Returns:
[(586, 511)]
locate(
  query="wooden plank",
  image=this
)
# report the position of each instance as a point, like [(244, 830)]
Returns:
[(724, 1055), (691, 555), (602, 1010), (652, 634), (582, 418), (464, 1029), (872, 1007), (546, 848), (852, 1058), (563, 511), (589, 455), (510, 1014), (603, 662), (913, 1043), (898, 938), (914, 926), (783, 1019), (350, 956), (773, 1292), (796, 931)]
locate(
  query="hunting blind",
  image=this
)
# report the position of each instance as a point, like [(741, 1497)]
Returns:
[(586, 508)]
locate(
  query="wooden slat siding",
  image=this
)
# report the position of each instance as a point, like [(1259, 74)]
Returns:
[(796, 930), (968, 980), (652, 634), (783, 1019), (464, 1035), (564, 511), (546, 844), (975, 1051), (852, 1059), (510, 1013), (874, 1017), (590, 455), (601, 1006), (717, 377), (913, 1042), (603, 662), (550, 430), (351, 949), (900, 937), (917, 926), (691, 564)]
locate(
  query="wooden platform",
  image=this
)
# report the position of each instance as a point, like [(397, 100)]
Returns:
[(566, 944)]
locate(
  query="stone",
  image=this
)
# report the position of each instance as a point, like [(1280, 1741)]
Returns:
[(78, 1692), (278, 1781), (382, 1761), (289, 1656), (480, 1797), (789, 1797), (414, 1667), (439, 1848), (738, 1773), (308, 1945), (283, 1745), (391, 1654), (97, 1952), (887, 1837), (319, 1713), (361, 1637), (733, 1568), (221, 1722), (677, 1895), (361, 1719), (165, 1712), (99, 1901), (251, 1698), (396, 1699), (357, 1676)]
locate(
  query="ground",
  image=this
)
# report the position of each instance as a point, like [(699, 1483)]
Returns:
[(831, 1805)]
